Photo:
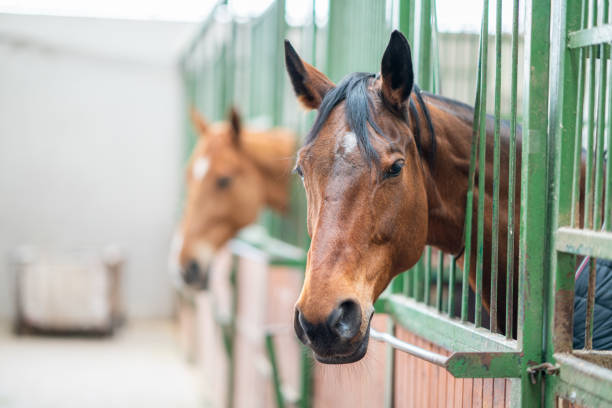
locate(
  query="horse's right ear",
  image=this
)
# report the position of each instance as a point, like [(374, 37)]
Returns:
[(396, 70), (310, 84), (199, 123)]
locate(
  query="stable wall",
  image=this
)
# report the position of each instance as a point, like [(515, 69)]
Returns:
[(90, 144)]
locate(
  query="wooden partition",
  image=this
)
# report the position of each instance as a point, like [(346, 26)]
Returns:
[(421, 384)]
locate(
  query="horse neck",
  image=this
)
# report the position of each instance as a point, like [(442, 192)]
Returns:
[(271, 153), (446, 177)]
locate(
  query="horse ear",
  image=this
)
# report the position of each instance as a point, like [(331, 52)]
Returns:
[(199, 123), (310, 84), (234, 118), (396, 70)]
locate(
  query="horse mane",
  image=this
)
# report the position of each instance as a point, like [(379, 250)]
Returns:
[(353, 89), (272, 150)]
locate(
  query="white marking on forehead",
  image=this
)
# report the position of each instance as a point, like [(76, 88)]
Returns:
[(200, 167), (349, 142)]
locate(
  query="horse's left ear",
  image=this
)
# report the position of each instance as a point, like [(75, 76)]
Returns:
[(199, 123), (396, 70), (236, 125)]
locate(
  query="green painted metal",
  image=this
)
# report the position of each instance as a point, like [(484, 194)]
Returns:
[(485, 365), (496, 165), (451, 286), (482, 158), (532, 246), (584, 242), (427, 281), (550, 181), (451, 334), (439, 273), (512, 173), (276, 380), (591, 36), (580, 380)]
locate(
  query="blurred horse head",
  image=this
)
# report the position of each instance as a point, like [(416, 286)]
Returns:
[(233, 173)]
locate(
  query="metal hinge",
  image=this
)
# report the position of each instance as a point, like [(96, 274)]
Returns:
[(546, 368)]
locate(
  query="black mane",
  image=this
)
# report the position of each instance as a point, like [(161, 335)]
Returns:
[(353, 89)]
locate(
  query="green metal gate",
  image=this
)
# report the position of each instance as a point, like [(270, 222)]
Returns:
[(564, 93), (581, 117)]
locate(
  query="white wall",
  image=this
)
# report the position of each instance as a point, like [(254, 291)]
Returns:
[(90, 144)]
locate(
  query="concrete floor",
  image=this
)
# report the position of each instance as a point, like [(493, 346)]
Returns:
[(141, 366)]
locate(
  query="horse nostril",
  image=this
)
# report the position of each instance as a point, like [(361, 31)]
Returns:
[(300, 326), (345, 320), (192, 273)]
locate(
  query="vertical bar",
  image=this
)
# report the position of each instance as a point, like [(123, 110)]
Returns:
[(601, 121), (469, 206), (608, 193), (533, 248), (574, 218), (482, 164), (423, 45), (306, 378), (496, 159), (439, 280), (408, 282), (427, 282), (452, 270), (276, 380), (565, 71), (590, 307), (512, 175), (418, 282), (588, 188)]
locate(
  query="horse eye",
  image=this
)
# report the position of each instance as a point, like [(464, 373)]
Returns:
[(395, 169), (224, 182), (298, 170)]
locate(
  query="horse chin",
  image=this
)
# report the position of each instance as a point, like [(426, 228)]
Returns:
[(353, 357)]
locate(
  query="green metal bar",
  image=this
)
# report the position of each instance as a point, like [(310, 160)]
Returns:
[(276, 380), (601, 121), (306, 378), (460, 364), (496, 165), (453, 335), (452, 271), (439, 281), (586, 377), (469, 206), (608, 193), (390, 369), (427, 282), (534, 183), (482, 126), (584, 242), (231, 334), (567, 77), (575, 218), (588, 188), (485, 365), (512, 174), (424, 47), (419, 280), (408, 282), (590, 306), (407, 19), (591, 36)]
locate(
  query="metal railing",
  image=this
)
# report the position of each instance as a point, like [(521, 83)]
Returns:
[(531, 257)]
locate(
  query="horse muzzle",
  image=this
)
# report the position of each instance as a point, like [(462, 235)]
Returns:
[(337, 340)]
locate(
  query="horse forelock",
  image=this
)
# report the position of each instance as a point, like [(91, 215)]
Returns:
[(354, 91)]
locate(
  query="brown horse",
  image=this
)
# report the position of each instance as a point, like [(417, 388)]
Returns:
[(385, 168), (232, 174)]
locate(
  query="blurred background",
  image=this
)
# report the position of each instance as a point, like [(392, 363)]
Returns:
[(94, 137)]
